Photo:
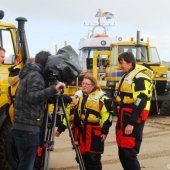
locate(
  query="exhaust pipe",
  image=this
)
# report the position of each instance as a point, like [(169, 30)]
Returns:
[(24, 45), (1, 14), (138, 37)]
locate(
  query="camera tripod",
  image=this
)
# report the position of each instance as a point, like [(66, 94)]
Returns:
[(49, 131)]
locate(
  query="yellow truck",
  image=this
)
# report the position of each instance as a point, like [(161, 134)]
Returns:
[(13, 40)]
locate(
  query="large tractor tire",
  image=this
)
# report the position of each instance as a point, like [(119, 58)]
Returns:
[(8, 154), (165, 108)]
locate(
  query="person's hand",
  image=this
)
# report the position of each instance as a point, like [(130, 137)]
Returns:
[(57, 133), (103, 137), (129, 129), (60, 86)]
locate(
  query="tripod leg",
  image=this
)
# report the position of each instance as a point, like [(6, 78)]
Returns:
[(49, 136), (77, 150), (45, 143), (42, 151)]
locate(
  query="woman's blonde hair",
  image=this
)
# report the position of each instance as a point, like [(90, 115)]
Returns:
[(92, 79)]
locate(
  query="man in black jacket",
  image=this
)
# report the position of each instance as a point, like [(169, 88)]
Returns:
[(29, 109)]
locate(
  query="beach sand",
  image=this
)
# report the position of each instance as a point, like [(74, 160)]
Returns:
[(154, 153)]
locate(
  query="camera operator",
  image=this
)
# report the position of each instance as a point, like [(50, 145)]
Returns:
[(29, 109)]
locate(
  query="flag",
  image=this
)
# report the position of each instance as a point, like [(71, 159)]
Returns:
[(100, 14), (108, 15)]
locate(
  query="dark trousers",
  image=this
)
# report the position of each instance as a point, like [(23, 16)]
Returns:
[(26, 144), (92, 161), (128, 159)]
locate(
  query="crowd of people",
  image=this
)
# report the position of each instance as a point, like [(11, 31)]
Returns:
[(90, 112)]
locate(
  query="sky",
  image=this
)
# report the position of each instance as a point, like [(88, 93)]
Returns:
[(52, 22)]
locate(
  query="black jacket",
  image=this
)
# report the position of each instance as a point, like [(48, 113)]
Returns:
[(30, 97)]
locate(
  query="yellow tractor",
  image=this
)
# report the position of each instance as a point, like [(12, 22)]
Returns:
[(13, 40)]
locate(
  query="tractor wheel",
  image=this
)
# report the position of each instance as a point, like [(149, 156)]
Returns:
[(8, 154), (165, 108)]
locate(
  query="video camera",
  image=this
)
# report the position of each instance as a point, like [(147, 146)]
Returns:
[(62, 67)]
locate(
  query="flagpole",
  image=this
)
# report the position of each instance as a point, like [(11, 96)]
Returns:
[(99, 17), (99, 14)]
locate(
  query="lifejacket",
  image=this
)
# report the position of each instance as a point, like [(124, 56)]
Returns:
[(125, 84), (92, 108), (89, 131), (126, 96)]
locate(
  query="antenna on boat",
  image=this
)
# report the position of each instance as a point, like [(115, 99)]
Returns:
[(100, 14)]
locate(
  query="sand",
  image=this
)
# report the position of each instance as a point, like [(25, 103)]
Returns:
[(154, 153)]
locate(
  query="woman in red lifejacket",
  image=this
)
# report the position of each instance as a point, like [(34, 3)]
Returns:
[(90, 115)]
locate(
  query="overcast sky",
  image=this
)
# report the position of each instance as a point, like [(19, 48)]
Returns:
[(52, 22)]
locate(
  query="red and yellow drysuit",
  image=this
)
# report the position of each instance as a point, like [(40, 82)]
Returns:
[(134, 93), (90, 118)]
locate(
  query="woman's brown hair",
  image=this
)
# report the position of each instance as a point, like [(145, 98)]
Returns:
[(92, 79)]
